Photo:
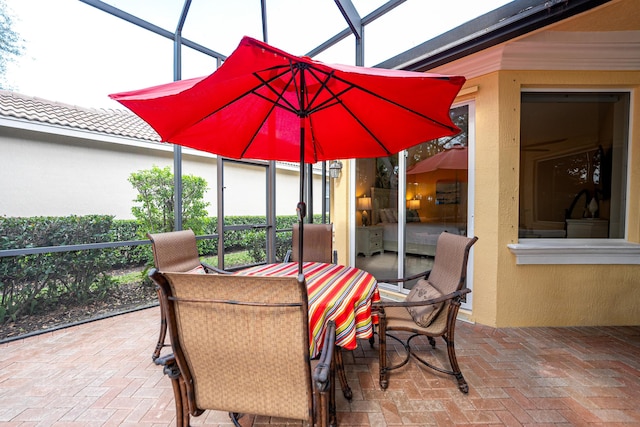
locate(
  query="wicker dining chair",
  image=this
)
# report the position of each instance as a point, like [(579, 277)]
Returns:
[(223, 359), (176, 251), (318, 244), (430, 309)]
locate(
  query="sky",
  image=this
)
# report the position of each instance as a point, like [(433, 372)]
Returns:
[(77, 54)]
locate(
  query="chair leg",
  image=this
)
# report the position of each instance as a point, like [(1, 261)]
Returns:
[(325, 406), (179, 390), (453, 361), (372, 340), (235, 418), (382, 351), (449, 338), (333, 420), (462, 383), (163, 331), (346, 390)]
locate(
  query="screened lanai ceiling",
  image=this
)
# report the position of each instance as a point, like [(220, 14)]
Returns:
[(315, 28), (88, 53), (299, 26)]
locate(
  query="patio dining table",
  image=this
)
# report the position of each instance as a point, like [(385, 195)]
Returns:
[(336, 292)]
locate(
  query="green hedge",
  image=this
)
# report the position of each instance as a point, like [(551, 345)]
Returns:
[(36, 281), (32, 283)]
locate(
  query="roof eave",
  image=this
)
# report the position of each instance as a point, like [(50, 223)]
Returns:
[(505, 23)]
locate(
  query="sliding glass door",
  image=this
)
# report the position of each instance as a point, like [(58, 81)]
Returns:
[(403, 202)]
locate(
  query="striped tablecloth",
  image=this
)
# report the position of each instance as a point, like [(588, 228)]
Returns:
[(336, 292)]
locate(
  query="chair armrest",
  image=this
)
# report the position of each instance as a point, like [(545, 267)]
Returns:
[(321, 374), (423, 275), (457, 294), (211, 269), (169, 359), (287, 256), (171, 368)]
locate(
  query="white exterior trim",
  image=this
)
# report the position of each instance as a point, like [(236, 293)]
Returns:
[(575, 251)]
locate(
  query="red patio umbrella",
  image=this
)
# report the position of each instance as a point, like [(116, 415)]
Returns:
[(264, 103), (453, 158)]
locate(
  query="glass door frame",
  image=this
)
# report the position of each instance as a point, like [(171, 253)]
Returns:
[(270, 212), (402, 187)]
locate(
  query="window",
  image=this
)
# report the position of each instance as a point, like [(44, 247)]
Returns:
[(573, 164)]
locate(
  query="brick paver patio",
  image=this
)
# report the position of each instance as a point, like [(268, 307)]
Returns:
[(101, 374)]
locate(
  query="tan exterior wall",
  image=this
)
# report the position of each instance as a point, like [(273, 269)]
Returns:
[(511, 295), (340, 212), (506, 294), (487, 210)]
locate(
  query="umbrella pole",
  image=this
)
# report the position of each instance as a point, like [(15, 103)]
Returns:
[(301, 209)]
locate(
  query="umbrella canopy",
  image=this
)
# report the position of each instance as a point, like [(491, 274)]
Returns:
[(454, 158), (264, 103)]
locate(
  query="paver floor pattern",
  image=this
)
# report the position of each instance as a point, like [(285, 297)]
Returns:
[(101, 374)]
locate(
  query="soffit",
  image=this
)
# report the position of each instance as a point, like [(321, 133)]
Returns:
[(605, 38)]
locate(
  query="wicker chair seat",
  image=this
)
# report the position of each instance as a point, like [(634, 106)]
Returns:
[(398, 318), (175, 251), (241, 345), (448, 276)]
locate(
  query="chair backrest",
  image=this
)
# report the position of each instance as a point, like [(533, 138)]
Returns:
[(318, 243), (449, 271), (241, 342), (175, 250)]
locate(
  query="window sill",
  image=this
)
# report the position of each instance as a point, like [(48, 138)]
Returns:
[(575, 251)]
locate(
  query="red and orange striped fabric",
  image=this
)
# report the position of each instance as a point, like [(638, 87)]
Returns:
[(336, 292)]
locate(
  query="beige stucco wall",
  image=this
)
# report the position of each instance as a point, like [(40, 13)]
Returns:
[(506, 294), (48, 174), (341, 212)]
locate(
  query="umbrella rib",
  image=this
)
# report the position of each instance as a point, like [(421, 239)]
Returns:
[(253, 137), (365, 127), (267, 83), (338, 100), (253, 90), (397, 104), (280, 95), (222, 107), (280, 102), (324, 85)]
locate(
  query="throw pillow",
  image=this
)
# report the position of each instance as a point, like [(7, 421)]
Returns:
[(198, 270), (424, 315), (382, 214)]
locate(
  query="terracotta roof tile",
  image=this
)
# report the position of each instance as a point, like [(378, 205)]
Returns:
[(107, 121)]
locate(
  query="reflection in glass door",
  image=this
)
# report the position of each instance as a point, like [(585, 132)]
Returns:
[(377, 215), (436, 193), (244, 208), (407, 201)]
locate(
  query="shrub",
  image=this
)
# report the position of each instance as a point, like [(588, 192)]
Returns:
[(32, 282), (156, 201), (128, 256)]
